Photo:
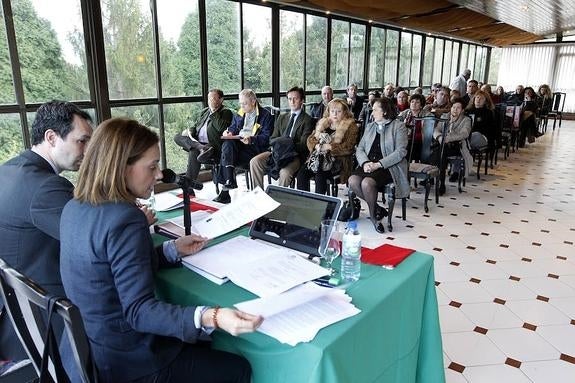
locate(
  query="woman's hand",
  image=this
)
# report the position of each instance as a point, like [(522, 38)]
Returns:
[(150, 214), (190, 244), (232, 321), (226, 133), (326, 147), (369, 167)]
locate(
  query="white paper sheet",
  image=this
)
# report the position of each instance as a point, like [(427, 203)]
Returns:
[(297, 315), (247, 208), (167, 201)]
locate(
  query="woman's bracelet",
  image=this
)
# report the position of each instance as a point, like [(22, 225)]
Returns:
[(215, 317)]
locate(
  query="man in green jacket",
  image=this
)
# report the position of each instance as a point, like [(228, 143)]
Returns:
[(203, 140)]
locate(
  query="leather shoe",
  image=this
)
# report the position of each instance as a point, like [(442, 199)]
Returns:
[(223, 197), (380, 212), (206, 154), (378, 227)]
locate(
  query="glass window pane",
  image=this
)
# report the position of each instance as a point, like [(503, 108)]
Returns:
[(415, 61), (7, 95), (391, 44), (129, 49), (454, 58), (177, 118), (464, 56), (404, 59), (357, 55), (437, 62), (471, 61), (494, 62), (145, 114), (376, 57), (447, 77), (223, 33), (316, 52), (339, 53), (479, 63), (50, 42), (291, 49), (10, 136), (178, 22), (428, 61), (257, 48)]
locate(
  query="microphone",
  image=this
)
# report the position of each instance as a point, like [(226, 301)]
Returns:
[(170, 177)]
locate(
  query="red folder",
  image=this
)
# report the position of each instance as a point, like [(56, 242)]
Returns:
[(385, 255)]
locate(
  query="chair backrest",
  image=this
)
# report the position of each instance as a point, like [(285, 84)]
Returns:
[(558, 102), (27, 304)]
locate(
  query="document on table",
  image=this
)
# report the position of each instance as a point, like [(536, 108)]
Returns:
[(167, 201), (262, 269), (297, 315), (247, 208)]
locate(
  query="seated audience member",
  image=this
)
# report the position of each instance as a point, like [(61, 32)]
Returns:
[(494, 98), (416, 103), (253, 126), (381, 156), (528, 124), (418, 90), (471, 89), (203, 140), (331, 146), (365, 115), (318, 109), (458, 130), (481, 107), (108, 263), (32, 197), (354, 102), (517, 97), (430, 99), (499, 91), (544, 99), (441, 104), (402, 101), (454, 94), (389, 92), (291, 131)]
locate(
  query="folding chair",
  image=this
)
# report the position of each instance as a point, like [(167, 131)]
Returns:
[(28, 306)]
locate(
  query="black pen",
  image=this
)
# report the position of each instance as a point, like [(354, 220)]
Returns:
[(322, 283)]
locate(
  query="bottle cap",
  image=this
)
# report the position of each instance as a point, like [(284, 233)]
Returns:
[(352, 225)]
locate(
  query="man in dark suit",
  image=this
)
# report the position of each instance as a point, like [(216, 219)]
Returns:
[(297, 125), (203, 140), (32, 198), (318, 109), (354, 101)]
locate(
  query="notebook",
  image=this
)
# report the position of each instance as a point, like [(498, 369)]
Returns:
[(295, 224)]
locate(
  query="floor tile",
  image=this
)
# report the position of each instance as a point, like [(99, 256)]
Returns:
[(491, 315), (548, 287), (522, 344), (452, 319), (560, 337), (565, 305), (471, 349), (454, 377), (508, 289), (555, 371), (537, 312), (495, 373)]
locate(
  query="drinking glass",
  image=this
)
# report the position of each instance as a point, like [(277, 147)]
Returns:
[(330, 242)]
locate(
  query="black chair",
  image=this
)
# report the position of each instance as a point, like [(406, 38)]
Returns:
[(557, 108), (28, 306), (427, 170), (389, 193)]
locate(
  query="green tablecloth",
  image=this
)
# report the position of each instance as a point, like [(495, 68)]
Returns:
[(396, 337)]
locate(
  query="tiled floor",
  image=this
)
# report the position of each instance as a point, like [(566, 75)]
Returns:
[(504, 264)]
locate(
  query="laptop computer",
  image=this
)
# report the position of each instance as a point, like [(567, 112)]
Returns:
[(295, 224)]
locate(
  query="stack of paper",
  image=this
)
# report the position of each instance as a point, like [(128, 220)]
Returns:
[(258, 267), (168, 201), (298, 314)]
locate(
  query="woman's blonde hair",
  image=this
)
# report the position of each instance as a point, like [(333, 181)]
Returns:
[(116, 143), (342, 104)]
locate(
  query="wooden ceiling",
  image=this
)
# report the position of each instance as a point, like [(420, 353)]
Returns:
[(491, 22)]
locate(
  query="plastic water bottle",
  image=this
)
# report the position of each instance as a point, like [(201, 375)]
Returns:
[(351, 253)]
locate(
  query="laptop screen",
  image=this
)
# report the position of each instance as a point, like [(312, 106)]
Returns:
[(296, 222)]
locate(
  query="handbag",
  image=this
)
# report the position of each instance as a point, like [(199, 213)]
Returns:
[(317, 161)]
